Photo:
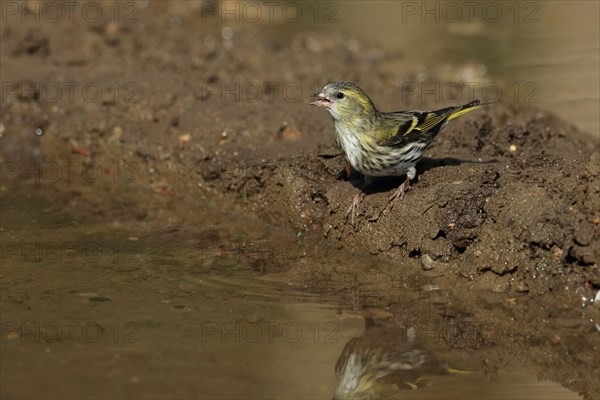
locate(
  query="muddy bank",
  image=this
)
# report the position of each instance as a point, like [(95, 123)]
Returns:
[(505, 210)]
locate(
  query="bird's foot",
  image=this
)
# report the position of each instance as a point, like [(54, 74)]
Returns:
[(353, 210), (399, 193)]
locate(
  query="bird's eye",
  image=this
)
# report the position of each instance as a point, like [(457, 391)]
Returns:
[(340, 95)]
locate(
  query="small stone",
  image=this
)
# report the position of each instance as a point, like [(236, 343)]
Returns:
[(111, 29), (521, 287), (427, 262), (112, 32), (290, 133), (183, 139), (117, 132), (227, 33), (512, 148), (556, 252)]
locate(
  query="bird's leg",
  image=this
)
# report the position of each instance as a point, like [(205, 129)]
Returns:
[(399, 193), (355, 204), (357, 200), (403, 188)]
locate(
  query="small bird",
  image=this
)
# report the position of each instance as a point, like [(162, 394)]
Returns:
[(376, 143), (386, 361)]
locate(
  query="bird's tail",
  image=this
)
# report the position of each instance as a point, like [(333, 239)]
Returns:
[(474, 105)]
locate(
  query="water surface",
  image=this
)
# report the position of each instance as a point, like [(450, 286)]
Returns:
[(110, 308)]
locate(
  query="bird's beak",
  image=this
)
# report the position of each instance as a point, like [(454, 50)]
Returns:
[(321, 100)]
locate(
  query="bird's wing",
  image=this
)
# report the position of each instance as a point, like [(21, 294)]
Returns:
[(415, 126), (418, 126)]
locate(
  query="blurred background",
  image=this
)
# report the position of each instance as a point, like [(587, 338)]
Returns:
[(544, 53), (541, 53)]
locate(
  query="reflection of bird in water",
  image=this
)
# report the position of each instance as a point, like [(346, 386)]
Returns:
[(384, 362)]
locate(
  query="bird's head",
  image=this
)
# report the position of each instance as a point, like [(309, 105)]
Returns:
[(345, 101)]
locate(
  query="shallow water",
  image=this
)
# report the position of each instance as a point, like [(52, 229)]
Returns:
[(114, 308)]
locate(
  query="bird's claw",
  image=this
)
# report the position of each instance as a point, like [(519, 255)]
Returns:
[(353, 209), (399, 193)]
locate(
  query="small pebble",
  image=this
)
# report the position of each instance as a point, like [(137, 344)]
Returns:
[(183, 139), (112, 33), (227, 33), (556, 252), (427, 262), (290, 133), (521, 287)]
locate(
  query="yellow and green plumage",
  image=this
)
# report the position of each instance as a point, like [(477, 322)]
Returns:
[(386, 361), (382, 144)]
